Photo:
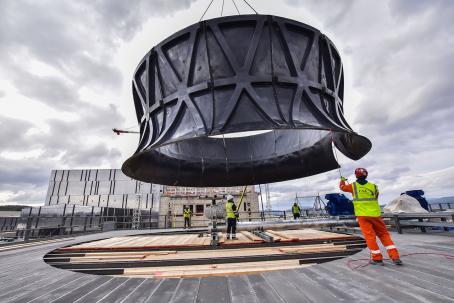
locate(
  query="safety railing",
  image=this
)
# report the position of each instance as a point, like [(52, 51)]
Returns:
[(441, 206), (44, 226)]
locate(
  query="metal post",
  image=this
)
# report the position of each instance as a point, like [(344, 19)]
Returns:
[(4, 223), (28, 229), (72, 218), (423, 229), (61, 231), (396, 221), (37, 218), (101, 225), (91, 217), (443, 219)]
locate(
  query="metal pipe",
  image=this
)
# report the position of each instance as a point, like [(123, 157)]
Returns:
[(279, 225)]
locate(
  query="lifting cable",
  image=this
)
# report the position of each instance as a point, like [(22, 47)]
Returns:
[(222, 8), (211, 2), (236, 7), (250, 6)]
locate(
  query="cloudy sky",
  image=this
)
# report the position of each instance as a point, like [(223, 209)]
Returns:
[(66, 67)]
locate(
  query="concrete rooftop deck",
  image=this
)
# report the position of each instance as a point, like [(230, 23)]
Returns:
[(25, 277)]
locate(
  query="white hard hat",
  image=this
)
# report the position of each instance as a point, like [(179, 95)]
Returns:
[(229, 197)]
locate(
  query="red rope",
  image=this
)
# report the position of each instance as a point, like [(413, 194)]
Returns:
[(449, 257)]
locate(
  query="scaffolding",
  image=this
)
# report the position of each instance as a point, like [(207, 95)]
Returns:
[(137, 212)]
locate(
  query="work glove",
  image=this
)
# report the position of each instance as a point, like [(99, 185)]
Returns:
[(343, 179)]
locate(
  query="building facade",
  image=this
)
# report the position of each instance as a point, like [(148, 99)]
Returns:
[(174, 199), (101, 188), (111, 190)]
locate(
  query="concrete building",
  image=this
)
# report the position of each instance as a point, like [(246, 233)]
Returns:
[(101, 188), (174, 199), (111, 189)]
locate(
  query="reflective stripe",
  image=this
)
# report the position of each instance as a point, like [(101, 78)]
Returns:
[(375, 252), (355, 191), (390, 247), (364, 199)]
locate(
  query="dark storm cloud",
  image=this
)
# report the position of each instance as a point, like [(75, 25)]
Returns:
[(50, 51)]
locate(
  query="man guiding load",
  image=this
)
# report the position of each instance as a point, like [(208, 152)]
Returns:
[(232, 214), (187, 213), (368, 214)]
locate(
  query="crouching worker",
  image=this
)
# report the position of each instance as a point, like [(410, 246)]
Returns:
[(368, 214), (230, 209)]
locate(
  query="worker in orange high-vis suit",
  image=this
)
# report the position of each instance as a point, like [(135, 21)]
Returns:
[(368, 214)]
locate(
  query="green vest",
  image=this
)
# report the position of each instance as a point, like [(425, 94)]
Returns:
[(229, 210), (187, 213), (295, 209), (365, 200)]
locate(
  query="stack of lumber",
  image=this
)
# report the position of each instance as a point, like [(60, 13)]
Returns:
[(194, 240), (191, 255)]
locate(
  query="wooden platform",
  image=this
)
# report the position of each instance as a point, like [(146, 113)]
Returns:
[(191, 255), (25, 277), (194, 240)]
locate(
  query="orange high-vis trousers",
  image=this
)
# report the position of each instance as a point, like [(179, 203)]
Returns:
[(373, 227)]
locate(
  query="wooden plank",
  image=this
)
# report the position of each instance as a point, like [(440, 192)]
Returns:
[(311, 249), (212, 270), (194, 254), (282, 235), (252, 237)]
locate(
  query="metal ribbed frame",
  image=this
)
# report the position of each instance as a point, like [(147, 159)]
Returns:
[(237, 74)]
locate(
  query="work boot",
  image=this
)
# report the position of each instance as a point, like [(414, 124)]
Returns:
[(398, 262), (377, 262)]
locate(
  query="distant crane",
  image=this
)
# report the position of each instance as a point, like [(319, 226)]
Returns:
[(268, 197), (120, 131)]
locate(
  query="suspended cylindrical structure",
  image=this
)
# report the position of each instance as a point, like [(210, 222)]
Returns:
[(240, 100)]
